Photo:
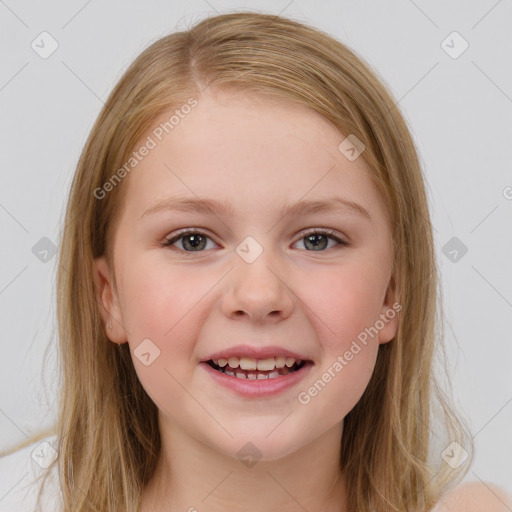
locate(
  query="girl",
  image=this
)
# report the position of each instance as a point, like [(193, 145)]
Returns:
[(247, 289)]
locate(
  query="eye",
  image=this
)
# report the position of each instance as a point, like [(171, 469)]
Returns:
[(318, 239), (196, 241), (188, 241)]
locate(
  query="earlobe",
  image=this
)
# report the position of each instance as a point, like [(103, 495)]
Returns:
[(108, 304)]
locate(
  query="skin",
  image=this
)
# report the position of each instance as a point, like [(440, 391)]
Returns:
[(256, 155), (475, 497)]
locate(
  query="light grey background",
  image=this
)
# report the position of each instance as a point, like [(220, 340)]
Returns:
[(459, 110)]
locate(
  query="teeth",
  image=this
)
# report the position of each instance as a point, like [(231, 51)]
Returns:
[(233, 362), (280, 362), (248, 364), (242, 374), (253, 376), (264, 365)]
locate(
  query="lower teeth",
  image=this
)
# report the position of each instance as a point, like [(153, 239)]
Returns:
[(257, 376)]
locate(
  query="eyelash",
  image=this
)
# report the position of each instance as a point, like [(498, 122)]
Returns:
[(318, 231)]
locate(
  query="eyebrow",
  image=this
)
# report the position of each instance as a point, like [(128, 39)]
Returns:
[(302, 207)]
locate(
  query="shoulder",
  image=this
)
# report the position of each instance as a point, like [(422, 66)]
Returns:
[(21, 474), (475, 497)]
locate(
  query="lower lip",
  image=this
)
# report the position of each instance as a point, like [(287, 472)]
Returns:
[(258, 388)]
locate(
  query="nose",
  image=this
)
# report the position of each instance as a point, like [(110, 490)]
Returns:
[(258, 291)]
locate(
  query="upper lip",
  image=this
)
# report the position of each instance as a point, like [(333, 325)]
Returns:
[(255, 353)]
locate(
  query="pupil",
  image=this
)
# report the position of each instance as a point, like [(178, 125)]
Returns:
[(194, 241), (313, 239)]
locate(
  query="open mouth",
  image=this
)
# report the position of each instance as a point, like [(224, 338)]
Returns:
[(265, 369)]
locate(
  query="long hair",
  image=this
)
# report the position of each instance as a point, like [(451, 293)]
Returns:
[(108, 436)]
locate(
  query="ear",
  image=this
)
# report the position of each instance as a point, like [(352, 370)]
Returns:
[(389, 313), (108, 302)]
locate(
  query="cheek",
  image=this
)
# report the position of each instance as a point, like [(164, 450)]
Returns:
[(345, 310), (336, 388), (168, 306), (343, 303), (163, 305), (158, 298), (343, 306)]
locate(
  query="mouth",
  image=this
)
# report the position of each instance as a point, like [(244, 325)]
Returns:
[(257, 369), (253, 377)]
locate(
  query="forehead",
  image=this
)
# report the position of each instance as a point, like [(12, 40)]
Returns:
[(248, 152)]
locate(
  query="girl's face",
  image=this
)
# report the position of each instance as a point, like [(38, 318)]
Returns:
[(251, 275)]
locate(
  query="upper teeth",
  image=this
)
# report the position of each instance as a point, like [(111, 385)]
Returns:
[(247, 363)]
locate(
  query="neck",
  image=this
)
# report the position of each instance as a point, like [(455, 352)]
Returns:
[(192, 476)]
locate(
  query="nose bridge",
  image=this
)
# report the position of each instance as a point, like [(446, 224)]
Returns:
[(257, 288)]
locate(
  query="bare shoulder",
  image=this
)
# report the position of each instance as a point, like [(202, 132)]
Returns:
[(475, 497)]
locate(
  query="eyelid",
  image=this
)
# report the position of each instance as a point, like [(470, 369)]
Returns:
[(170, 239), (330, 233)]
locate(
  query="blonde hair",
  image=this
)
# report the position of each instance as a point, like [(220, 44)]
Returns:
[(108, 436)]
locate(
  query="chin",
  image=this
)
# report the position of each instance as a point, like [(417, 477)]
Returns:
[(259, 447)]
